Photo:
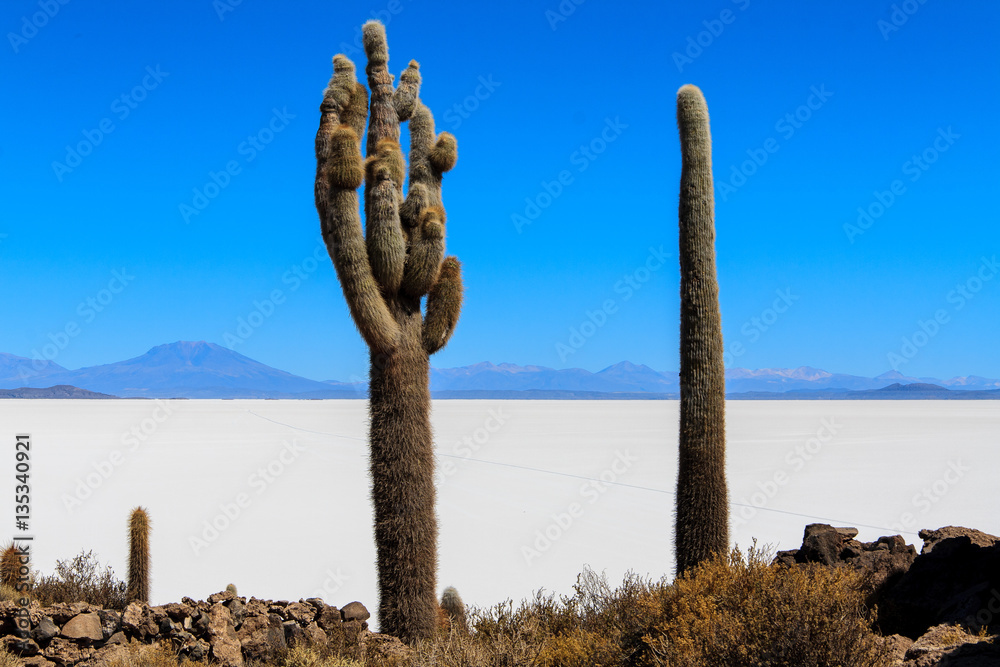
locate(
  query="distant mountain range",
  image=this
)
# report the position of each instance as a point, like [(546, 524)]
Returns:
[(206, 370)]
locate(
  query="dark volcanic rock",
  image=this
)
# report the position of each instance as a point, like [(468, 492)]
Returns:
[(955, 579), (883, 561)]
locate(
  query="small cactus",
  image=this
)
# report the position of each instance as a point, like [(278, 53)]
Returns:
[(10, 564), (454, 610), (138, 555), (232, 589)]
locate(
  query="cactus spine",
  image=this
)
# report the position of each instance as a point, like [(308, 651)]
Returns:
[(702, 519), (138, 555), (385, 272)]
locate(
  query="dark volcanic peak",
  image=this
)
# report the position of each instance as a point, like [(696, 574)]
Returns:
[(914, 387), (57, 391)]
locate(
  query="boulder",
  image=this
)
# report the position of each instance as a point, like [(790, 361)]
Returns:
[(111, 621), (21, 647), (45, 630), (66, 652), (84, 628), (315, 635), (138, 621), (355, 611), (955, 579), (883, 562), (225, 645), (237, 610), (294, 634), (329, 618), (950, 645), (221, 597), (262, 637), (177, 611), (301, 613)]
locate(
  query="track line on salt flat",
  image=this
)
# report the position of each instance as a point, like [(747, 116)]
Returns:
[(854, 524), (671, 493)]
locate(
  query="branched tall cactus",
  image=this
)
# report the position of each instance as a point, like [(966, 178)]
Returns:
[(138, 555), (385, 271), (702, 520)]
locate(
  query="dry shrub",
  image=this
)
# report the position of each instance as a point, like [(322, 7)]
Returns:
[(137, 654), (740, 612), (735, 611), (8, 659), (81, 579), (308, 656)]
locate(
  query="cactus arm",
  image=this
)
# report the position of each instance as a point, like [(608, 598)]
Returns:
[(384, 121), (385, 167), (422, 214), (407, 92), (339, 172), (702, 520), (384, 172), (444, 303)]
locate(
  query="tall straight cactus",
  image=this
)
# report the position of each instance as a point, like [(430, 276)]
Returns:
[(702, 520), (138, 555), (385, 272)]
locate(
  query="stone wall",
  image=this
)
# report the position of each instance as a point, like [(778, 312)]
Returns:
[(225, 629)]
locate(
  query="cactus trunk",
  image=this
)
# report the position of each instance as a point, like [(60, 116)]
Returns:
[(138, 556), (702, 519), (402, 470), (385, 271)]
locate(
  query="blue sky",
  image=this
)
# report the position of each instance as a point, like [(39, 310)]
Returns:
[(563, 202)]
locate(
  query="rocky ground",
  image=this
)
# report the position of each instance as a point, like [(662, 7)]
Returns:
[(937, 607), (932, 606), (225, 629)]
